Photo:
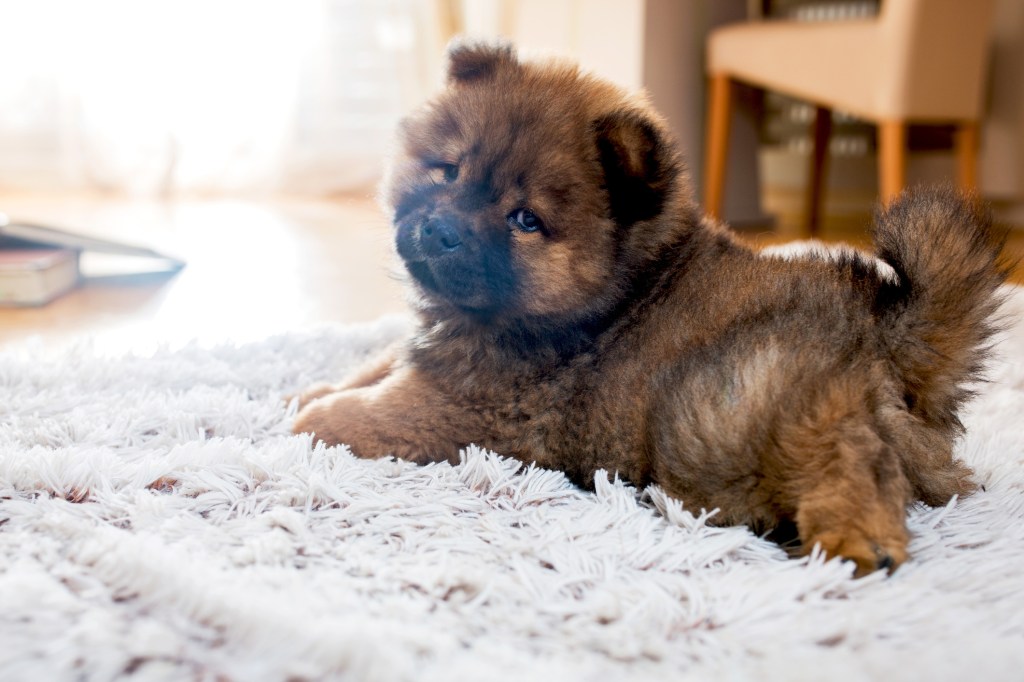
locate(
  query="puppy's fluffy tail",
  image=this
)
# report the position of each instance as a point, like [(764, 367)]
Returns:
[(938, 317)]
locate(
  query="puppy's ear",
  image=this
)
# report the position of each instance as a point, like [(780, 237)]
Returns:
[(639, 166), (477, 61)]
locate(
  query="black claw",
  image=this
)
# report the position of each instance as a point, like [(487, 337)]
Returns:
[(885, 563)]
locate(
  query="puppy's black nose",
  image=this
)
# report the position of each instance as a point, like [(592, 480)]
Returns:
[(438, 236)]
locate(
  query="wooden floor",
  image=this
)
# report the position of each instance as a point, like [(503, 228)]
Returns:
[(255, 268)]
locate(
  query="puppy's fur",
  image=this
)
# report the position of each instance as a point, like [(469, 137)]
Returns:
[(578, 312)]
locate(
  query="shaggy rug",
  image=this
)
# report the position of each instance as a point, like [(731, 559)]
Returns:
[(158, 521)]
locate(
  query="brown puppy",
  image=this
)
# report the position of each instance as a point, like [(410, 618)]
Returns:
[(578, 312)]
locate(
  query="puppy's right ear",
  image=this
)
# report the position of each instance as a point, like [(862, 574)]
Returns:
[(640, 167), (477, 61)]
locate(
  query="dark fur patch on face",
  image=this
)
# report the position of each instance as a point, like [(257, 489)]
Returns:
[(468, 266)]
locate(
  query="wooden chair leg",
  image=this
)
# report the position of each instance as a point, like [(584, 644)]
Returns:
[(892, 159), (817, 178), (719, 114), (965, 141)]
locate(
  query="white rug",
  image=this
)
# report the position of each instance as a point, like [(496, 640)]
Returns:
[(158, 521)]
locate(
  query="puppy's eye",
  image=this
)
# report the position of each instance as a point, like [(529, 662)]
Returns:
[(526, 220), (443, 173)]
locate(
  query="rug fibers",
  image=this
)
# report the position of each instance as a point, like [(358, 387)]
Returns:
[(158, 521)]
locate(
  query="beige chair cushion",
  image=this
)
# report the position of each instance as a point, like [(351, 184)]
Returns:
[(920, 60)]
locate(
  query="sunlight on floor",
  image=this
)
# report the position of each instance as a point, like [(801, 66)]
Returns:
[(254, 269)]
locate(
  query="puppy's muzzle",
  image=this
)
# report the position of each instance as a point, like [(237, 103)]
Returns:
[(439, 237)]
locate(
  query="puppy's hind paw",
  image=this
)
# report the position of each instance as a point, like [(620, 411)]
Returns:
[(867, 554)]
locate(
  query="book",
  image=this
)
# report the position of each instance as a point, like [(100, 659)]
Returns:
[(39, 263), (34, 277)]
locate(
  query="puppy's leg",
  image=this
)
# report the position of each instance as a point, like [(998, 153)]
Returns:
[(401, 415), (844, 482), (926, 454), (369, 373), (855, 506)]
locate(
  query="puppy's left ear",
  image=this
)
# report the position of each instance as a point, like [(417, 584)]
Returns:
[(639, 166), (474, 61)]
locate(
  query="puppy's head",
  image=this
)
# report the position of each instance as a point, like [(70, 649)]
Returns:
[(528, 191)]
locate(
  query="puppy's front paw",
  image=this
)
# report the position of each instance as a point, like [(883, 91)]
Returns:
[(318, 390), (320, 417), (352, 418)]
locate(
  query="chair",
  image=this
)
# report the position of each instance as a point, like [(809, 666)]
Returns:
[(918, 61)]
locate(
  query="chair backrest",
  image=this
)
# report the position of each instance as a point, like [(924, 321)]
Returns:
[(938, 53)]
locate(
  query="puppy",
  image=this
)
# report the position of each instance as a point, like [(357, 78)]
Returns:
[(577, 311)]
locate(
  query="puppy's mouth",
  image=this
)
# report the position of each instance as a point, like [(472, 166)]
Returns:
[(457, 290), (422, 274)]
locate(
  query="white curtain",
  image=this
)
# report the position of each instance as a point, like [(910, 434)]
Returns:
[(209, 96)]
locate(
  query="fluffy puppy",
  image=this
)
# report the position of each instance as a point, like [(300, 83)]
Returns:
[(577, 311)]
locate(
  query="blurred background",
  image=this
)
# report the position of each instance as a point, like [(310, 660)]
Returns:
[(247, 137)]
